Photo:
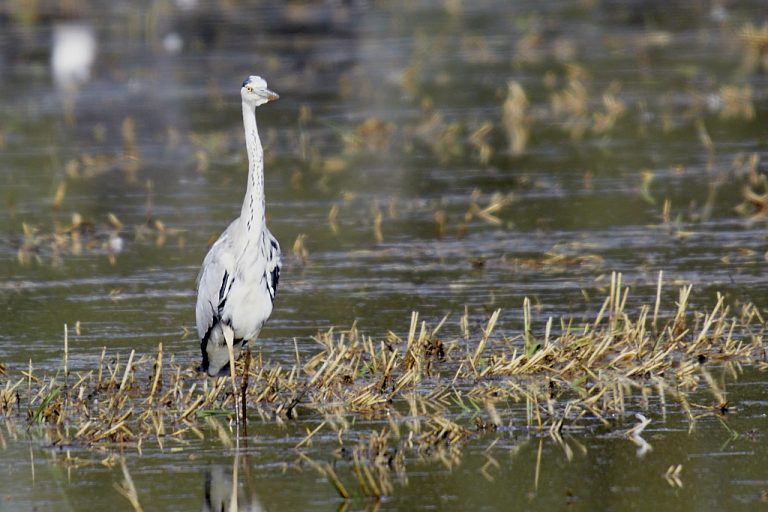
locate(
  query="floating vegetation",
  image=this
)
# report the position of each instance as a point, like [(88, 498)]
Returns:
[(755, 41), (81, 236), (515, 118), (737, 102), (436, 392), (556, 261), (373, 134)]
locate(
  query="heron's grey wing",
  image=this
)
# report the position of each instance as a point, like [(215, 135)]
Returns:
[(213, 283), (272, 271)]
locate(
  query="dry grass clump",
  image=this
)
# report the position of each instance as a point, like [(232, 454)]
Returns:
[(755, 190), (515, 118), (432, 392)]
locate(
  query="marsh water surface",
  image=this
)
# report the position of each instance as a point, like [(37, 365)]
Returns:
[(395, 183)]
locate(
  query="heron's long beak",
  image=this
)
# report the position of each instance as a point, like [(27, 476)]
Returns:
[(271, 96)]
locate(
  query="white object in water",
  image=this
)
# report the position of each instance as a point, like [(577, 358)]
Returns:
[(72, 54)]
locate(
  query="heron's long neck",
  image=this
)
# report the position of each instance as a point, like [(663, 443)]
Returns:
[(252, 214)]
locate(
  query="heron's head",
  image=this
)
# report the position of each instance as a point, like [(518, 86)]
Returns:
[(255, 92)]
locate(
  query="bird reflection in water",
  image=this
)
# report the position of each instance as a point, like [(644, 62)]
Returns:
[(223, 492)]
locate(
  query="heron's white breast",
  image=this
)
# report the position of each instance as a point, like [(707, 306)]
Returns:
[(248, 306)]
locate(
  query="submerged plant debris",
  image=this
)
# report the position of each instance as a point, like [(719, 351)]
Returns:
[(435, 392)]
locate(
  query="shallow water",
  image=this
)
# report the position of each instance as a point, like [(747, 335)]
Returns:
[(417, 68)]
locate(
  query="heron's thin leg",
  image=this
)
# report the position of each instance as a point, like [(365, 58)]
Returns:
[(233, 503), (229, 338)]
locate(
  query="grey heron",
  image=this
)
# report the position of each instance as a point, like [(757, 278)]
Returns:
[(238, 280)]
